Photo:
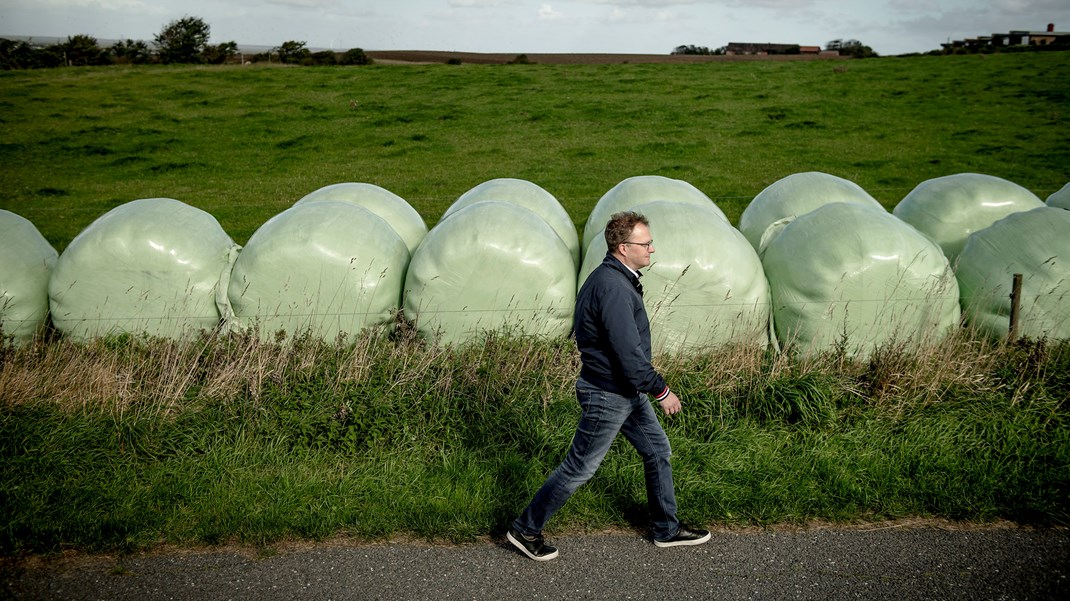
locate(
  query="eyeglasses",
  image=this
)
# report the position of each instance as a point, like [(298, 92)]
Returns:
[(646, 244)]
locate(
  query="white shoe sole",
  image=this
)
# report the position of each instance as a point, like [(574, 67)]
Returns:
[(524, 550), (683, 543)]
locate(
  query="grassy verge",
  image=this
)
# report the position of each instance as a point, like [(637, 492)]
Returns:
[(124, 444)]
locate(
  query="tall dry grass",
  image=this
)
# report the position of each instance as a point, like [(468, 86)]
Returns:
[(154, 378)]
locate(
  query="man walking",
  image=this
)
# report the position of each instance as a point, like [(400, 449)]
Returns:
[(613, 335)]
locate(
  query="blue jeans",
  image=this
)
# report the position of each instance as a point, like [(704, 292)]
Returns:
[(605, 414)]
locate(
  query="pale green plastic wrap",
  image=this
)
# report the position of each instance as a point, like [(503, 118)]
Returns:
[(705, 286), (1060, 199), (847, 273), (151, 266), (26, 263), (392, 208), (491, 266), (530, 196), (795, 195), (948, 209), (327, 269), (643, 189), (1035, 244)]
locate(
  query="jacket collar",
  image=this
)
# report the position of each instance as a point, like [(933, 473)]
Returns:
[(633, 276)]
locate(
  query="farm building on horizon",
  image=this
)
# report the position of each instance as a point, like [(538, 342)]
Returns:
[(762, 48), (1048, 37)]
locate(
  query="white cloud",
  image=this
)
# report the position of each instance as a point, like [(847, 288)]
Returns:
[(96, 4), (645, 3), (773, 4), (1017, 6), (636, 17), (547, 13), (970, 19), (980, 6), (910, 6), (473, 3), (770, 4), (304, 3), (618, 15)]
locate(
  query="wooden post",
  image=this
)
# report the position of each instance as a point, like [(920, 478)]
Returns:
[(1016, 307)]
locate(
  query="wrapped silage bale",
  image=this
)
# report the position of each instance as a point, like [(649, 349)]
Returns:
[(529, 195), (393, 209), (1035, 244), (705, 286), (327, 269), (795, 195), (491, 266), (26, 263), (1060, 199), (948, 209), (850, 273), (152, 266), (643, 189)]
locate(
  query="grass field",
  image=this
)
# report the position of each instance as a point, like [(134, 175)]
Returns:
[(244, 143), (122, 443)]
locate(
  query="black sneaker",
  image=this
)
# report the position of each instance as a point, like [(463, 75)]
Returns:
[(532, 546), (685, 536)]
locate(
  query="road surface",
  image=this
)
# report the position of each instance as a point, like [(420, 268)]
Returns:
[(877, 562)]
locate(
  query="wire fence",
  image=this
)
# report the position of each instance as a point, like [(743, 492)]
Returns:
[(899, 300)]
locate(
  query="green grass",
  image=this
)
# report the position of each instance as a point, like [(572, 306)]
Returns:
[(105, 448), (123, 443), (244, 143)]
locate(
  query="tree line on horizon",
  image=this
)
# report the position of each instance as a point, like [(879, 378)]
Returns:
[(857, 49), (181, 41), (852, 48)]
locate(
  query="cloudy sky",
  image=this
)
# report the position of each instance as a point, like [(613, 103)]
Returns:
[(536, 26)]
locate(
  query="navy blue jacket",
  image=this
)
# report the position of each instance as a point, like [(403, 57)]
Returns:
[(613, 333)]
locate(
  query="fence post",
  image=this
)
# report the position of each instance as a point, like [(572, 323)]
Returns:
[(1016, 306)]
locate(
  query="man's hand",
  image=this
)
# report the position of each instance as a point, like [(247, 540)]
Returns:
[(671, 404)]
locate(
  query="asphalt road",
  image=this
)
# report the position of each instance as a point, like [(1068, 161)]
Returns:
[(894, 562)]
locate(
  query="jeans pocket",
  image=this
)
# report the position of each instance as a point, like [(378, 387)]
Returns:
[(592, 405)]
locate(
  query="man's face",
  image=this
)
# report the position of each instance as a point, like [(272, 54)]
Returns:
[(635, 253)]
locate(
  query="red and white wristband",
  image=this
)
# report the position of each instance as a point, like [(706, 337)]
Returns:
[(662, 395)]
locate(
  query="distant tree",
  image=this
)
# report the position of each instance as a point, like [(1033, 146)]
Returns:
[(132, 52), (322, 58), (356, 56), (219, 54), (851, 48), (692, 49), (183, 40), (859, 50), (17, 55), (293, 53), (82, 51)]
